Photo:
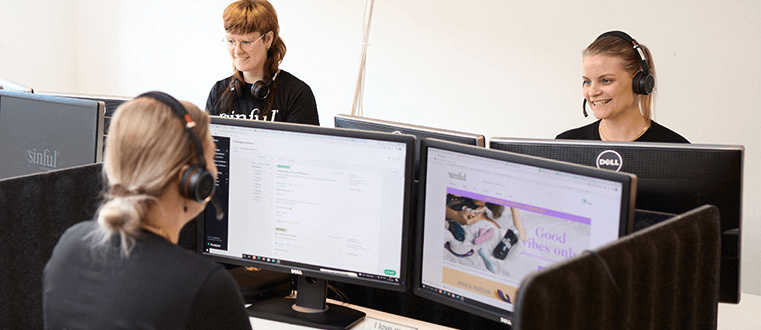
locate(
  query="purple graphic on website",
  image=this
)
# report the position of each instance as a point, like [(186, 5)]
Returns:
[(502, 241)]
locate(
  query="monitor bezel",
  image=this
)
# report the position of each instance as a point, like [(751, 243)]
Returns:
[(408, 140), (493, 313)]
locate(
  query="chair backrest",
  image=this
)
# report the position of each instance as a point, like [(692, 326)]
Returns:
[(35, 210), (663, 277)]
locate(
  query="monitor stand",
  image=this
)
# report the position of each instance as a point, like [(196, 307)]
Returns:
[(310, 308)]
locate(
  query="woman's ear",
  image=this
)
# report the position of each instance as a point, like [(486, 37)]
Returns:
[(269, 38)]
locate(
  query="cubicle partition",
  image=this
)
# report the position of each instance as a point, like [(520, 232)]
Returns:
[(663, 277), (35, 210)]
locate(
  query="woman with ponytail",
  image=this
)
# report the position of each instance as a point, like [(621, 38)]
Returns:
[(619, 85), (124, 269), (258, 88)]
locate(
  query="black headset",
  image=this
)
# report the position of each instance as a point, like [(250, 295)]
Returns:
[(197, 182), (643, 81), (260, 89)]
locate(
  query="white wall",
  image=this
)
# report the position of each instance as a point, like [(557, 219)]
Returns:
[(498, 68), (38, 43)]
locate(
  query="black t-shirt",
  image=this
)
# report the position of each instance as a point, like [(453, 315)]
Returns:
[(656, 133), (292, 101), (158, 286)]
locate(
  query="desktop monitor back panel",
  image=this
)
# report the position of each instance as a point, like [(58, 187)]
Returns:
[(41, 133), (420, 132), (672, 178)]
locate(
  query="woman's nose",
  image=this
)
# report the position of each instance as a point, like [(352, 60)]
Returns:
[(594, 89)]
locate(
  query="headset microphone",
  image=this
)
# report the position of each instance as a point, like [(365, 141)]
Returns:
[(584, 108)]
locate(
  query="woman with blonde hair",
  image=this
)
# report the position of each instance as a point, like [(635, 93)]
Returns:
[(258, 88), (124, 269), (619, 85)]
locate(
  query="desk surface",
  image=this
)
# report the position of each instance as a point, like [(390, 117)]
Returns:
[(744, 316), (372, 321)]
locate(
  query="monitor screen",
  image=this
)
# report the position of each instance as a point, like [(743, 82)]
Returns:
[(320, 203), (41, 133), (673, 178), (420, 132), (489, 218)]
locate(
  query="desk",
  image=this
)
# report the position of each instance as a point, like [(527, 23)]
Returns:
[(370, 323), (744, 316)]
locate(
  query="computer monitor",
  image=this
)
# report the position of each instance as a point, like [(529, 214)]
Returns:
[(673, 178), (40, 133), (489, 218), (420, 132), (111, 103), (319, 203)]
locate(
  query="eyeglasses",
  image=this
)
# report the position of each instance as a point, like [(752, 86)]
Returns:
[(244, 44)]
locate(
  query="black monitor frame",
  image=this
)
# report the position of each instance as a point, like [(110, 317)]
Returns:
[(311, 286), (420, 132), (663, 170), (628, 181), (58, 106)]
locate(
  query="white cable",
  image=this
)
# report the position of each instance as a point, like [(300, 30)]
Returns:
[(356, 108)]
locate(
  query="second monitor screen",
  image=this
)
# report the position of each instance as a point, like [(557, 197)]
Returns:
[(488, 223), (318, 203)]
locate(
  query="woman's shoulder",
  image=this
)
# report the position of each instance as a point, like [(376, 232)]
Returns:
[(288, 80), (222, 84), (660, 133), (79, 231), (586, 132)]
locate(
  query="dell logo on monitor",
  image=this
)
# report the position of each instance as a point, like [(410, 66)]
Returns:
[(609, 160), (296, 271)]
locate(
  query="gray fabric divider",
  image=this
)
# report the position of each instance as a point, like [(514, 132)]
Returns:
[(662, 277), (35, 210)]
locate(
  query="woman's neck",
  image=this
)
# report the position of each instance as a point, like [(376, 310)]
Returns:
[(253, 76), (162, 221), (623, 129)]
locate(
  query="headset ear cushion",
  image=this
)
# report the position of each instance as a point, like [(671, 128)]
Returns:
[(197, 183), (636, 83), (649, 84), (260, 90), (643, 83)]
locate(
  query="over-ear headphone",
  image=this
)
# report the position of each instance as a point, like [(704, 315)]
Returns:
[(643, 81), (197, 182), (260, 89)]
